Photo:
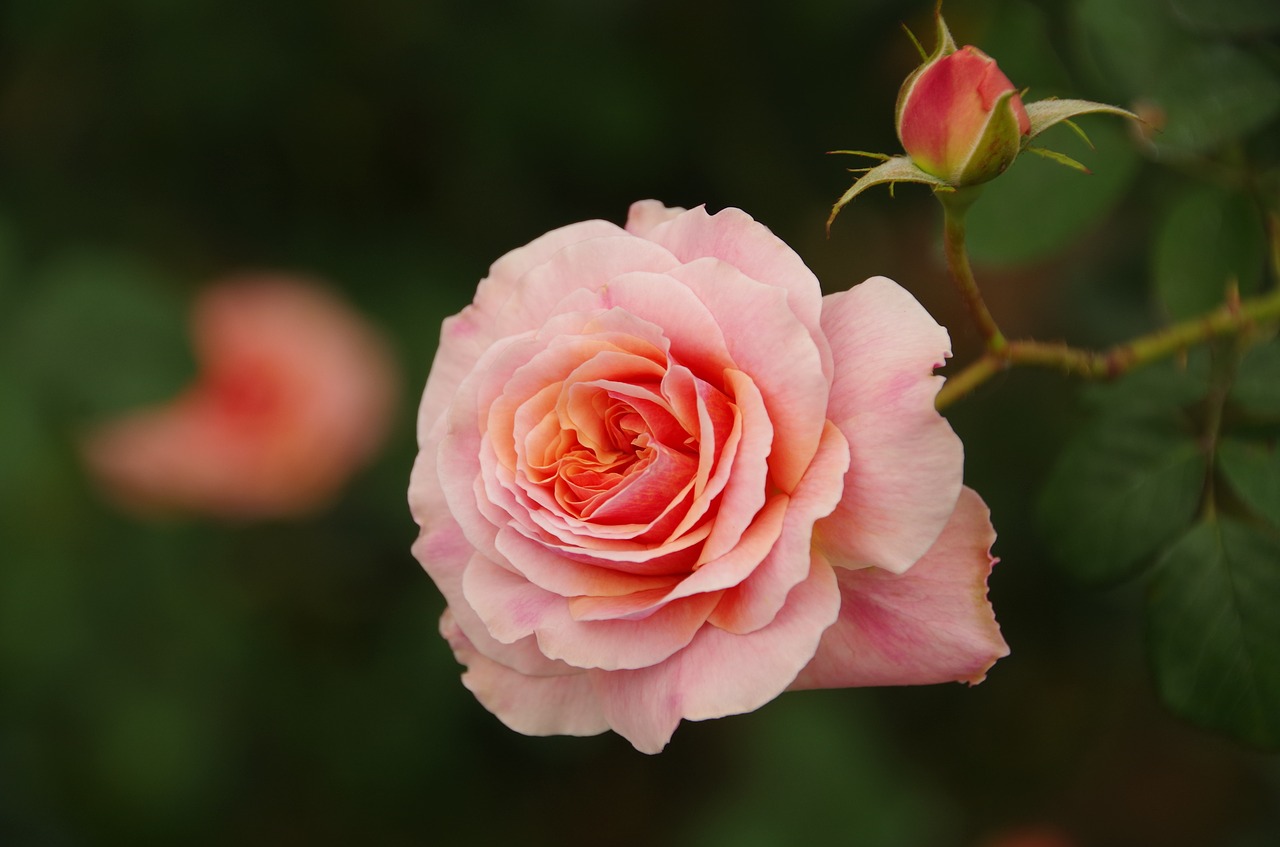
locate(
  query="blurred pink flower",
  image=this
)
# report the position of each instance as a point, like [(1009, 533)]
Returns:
[(295, 392), (662, 477)]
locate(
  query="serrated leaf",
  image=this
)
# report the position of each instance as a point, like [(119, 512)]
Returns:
[(1209, 239), (1253, 471), (1120, 491), (1257, 384), (1214, 632)]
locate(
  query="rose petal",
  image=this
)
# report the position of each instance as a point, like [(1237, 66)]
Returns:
[(444, 554), (931, 624), (564, 704), (512, 608), (644, 215), (754, 603), (719, 673), (748, 245), (907, 462), (766, 340)]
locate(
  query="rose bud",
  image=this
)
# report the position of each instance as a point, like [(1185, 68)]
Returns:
[(960, 118)]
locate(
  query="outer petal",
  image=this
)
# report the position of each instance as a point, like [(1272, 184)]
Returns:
[(720, 674), (907, 463), (533, 705), (466, 335), (444, 554), (644, 215), (738, 239), (931, 624)]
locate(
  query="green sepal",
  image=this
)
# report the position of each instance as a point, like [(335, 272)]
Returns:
[(1046, 113), (1060, 158), (893, 169)]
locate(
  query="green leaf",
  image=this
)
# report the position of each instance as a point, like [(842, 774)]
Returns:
[(1121, 490), (1229, 17), (1155, 389), (1214, 632), (1208, 239), (1038, 207), (1209, 92), (1253, 471), (102, 333), (1130, 44), (1257, 385), (1211, 95)]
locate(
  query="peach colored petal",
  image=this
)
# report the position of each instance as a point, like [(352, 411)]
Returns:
[(563, 704), (444, 554), (765, 339), (757, 599), (931, 624), (719, 673), (907, 463), (512, 608), (724, 572)]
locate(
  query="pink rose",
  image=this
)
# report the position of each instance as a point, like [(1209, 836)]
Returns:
[(960, 118), (295, 392), (662, 477)]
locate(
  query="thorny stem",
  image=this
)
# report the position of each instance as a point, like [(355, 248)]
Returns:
[(1228, 319)]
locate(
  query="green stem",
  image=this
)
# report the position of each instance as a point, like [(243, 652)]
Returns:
[(955, 205), (1228, 319)]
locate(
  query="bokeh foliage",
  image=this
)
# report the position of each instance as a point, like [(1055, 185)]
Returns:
[(280, 683)]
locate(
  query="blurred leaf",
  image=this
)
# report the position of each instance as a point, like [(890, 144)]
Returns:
[(1257, 383), (1211, 95), (1156, 388), (1208, 238), (1229, 17), (1214, 632), (1120, 490), (1210, 92), (1253, 469), (1038, 206), (1129, 44), (816, 770), (102, 333)]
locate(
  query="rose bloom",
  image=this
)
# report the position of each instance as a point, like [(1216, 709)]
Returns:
[(294, 393), (662, 477)]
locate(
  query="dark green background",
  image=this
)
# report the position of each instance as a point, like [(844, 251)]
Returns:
[(282, 683)]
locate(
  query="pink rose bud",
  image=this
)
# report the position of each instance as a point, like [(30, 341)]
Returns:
[(960, 118)]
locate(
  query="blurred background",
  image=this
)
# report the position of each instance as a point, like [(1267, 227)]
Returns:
[(278, 679)]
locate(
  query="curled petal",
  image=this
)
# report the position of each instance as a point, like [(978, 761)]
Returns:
[(563, 704), (907, 462), (719, 673), (931, 624)]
